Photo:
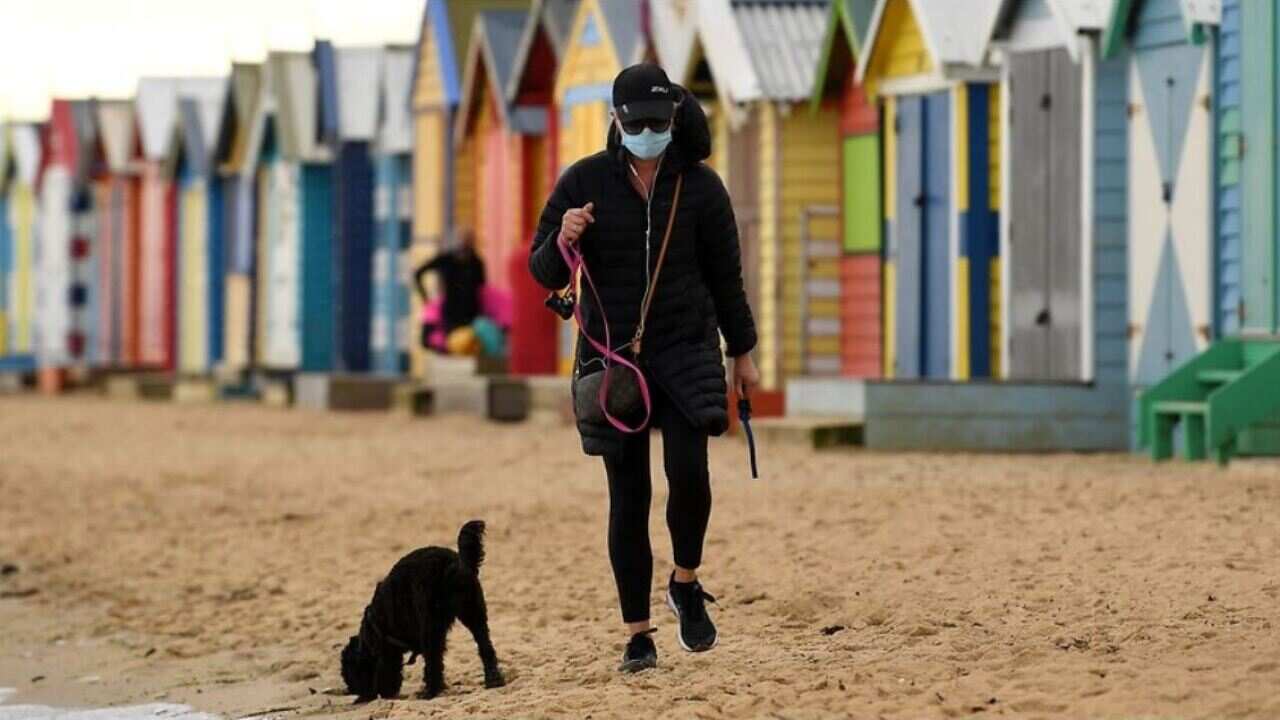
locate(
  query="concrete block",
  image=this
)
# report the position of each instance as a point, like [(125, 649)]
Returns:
[(154, 387), (195, 390), (322, 391), (275, 393), (468, 396), (11, 383), (827, 397), (549, 392), (448, 368), (509, 399), (812, 432)]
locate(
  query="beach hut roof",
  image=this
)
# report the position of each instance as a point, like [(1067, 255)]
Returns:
[(289, 100), (395, 122), (200, 120), (762, 49), (26, 149), (1061, 19), (954, 33), (244, 89), (349, 80), (492, 51), (1196, 14), (549, 19), (674, 31), (157, 109), (450, 25), (117, 133), (847, 21)]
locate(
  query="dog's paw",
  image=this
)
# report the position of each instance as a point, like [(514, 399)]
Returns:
[(362, 699), (494, 680), (430, 693)]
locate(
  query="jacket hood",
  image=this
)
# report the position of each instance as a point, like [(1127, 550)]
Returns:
[(690, 139)]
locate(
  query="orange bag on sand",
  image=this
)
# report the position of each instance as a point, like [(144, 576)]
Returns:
[(462, 341)]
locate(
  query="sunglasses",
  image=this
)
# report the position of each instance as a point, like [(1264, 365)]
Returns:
[(635, 127)]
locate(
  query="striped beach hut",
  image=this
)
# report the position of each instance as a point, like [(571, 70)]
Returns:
[(199, 236), (65, 300), (116, 208), (294, 304), (530, 95), (1063, 230), (486, 141), (762, 56), (19, 219), (157, 108), (349, 89), (923, 62), (1170, 269), (861, 349), (239, 216), (390, 327)]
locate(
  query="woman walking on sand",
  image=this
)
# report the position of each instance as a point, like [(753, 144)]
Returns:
[(615, 208)]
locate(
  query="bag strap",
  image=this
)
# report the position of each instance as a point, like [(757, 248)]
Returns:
[(653, 282)]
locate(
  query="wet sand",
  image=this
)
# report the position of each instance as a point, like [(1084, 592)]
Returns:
[(219, 556)]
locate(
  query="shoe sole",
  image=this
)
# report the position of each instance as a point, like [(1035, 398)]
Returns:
[(671, 603), (635, 666)]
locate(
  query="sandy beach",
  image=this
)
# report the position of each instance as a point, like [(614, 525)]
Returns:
[(219, 556)]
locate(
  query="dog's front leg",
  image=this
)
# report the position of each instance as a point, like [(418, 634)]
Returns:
[(476, 619), (433, 661)]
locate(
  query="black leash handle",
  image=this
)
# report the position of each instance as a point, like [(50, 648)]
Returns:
[(744, 415)]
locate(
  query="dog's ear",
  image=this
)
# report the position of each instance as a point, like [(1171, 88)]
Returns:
[(471, 545)]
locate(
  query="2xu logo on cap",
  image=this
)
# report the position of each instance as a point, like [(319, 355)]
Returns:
[(658, 89)]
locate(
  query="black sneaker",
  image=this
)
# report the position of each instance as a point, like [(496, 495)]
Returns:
[(689, 602), (641, 654)]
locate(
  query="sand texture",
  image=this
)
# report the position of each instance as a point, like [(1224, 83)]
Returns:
[(219, 556)]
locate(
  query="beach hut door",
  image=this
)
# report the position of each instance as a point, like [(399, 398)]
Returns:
[(1045, 227), (1169, 244), (921, 246), (820, 280)]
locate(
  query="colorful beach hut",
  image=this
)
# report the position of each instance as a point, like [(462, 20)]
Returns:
[(761, 59), (16, 258), (923, 62), (390, 327), (239, 216), (530, 96), (65, 300), (349, 82), (1169, 189), (199, 243), (294, 325), (19, 219), (116, 207), (1062, 236), (861, 349), (157, 108)]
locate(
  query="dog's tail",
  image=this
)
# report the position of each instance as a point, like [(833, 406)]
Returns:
[(471, 544)]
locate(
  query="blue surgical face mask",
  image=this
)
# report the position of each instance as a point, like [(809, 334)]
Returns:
[(648, 144)]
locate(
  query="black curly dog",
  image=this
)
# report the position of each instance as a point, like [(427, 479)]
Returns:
[(412, 611)]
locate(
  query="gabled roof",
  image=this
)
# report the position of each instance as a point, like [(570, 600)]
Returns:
[(1068, 18), (492, 52), (200, 122), (450, 22), (395, 121), (157, 109), (624, 23), (349, 87), (551, 19), (674, 29), (1195, 15), (24, 145), (289, 99), (117, 133), (955, 33), (761, 49), (847, 24), (244, 90)]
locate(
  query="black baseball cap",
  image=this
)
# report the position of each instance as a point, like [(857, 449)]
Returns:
[(643, 92)]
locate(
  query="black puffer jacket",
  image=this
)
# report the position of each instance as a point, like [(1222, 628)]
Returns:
[(699, 293)]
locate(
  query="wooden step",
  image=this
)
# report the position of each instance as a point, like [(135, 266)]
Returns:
[(812, 432), (1180, 407), (1218, 377)]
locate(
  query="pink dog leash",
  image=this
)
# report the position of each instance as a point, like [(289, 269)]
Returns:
[(573, 258)]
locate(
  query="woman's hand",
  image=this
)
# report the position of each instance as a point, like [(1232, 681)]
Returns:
[(575, 222), (745, 375)]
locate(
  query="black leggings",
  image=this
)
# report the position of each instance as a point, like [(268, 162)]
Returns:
[(684, 454)]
